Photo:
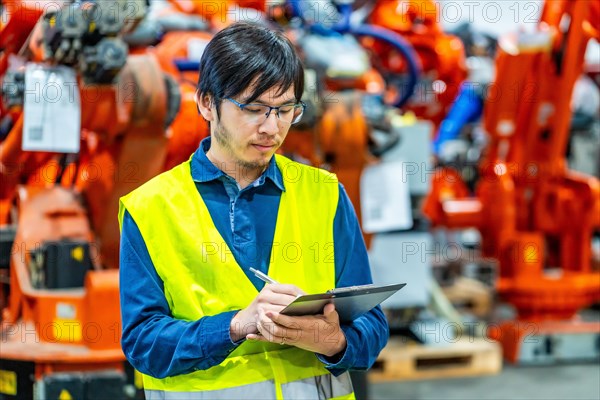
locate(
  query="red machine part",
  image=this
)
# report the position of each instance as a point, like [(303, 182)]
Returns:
[(219, 13), (115, 157), (188, 128), (18, 20), (536, 216), (442, 56)]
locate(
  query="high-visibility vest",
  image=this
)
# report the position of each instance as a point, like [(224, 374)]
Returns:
[(201, 278)]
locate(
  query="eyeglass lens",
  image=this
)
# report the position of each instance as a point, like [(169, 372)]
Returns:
[(288, 114)]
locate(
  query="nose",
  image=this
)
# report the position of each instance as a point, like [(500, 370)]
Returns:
[(271, 124)]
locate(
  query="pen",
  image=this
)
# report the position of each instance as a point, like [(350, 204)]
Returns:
[(262, 276)]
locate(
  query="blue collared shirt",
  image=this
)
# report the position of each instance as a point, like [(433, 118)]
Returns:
[(158, 345)]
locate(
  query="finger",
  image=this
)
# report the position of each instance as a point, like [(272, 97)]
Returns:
[(270, 329), (330, 314), (272, 339), (285, 320), (256, 338), (329, 308), (264, 324), (278, 299), (291, 290), (258, 325), (265, 333), (277, 339)]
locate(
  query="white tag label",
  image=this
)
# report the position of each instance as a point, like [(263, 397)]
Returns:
[(385, 198), (52, 109)]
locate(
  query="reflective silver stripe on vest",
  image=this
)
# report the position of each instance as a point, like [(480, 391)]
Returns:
[(318, 388), (261, 390)]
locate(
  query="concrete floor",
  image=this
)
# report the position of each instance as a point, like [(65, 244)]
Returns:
[(581, 382)]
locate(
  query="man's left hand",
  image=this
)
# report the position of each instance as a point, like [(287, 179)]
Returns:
[(316, 333)]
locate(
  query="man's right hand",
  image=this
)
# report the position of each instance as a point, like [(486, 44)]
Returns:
[(273, 297)]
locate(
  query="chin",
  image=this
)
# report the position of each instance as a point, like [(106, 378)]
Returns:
[(256, 163), (264, 162), (261, 159)]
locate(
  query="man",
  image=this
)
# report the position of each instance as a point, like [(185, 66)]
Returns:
[(196, 322)]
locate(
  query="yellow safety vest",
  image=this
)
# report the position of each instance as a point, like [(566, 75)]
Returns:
[(202, 278)]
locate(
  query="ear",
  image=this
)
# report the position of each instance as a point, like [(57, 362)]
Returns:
[(206, 106)]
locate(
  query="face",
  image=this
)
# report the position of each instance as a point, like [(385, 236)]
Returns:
[(244, 143)]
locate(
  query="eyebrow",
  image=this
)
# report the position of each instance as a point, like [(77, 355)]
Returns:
[(286, 102)]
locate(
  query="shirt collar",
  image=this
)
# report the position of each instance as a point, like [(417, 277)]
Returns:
[(203, 170)]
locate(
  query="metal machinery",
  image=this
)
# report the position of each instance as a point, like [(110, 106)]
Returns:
[(347, 90), (535, 215), (60, 331), (60, 334), (442, 55)]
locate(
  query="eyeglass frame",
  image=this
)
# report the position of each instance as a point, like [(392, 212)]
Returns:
[(241, 106)]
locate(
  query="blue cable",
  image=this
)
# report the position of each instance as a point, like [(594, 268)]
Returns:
[(185, 65), (398, 42), (467, 108), (395, 40)]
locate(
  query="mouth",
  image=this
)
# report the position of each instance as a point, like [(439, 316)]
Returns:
[(263, 147)]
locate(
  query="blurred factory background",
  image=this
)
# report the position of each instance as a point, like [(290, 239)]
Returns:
[(466, 133)]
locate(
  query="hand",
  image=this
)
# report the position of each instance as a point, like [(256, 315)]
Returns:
[(273, 297), (316, 333)]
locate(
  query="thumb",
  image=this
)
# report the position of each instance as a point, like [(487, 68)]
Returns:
[(329, 310)]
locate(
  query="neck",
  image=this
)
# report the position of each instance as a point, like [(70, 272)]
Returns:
[(242, 174)]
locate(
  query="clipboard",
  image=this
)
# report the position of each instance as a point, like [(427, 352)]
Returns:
[(350, 302)]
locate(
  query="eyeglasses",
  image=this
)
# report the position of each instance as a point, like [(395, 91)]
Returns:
[(258, 113)]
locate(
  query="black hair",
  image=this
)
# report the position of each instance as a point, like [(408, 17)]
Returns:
[(244, 53)]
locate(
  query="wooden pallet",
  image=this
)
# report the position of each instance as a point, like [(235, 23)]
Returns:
[(409, 361), (470, 295)]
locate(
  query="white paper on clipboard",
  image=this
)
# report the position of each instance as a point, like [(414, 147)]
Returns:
[(385, 198), (52, 109)]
